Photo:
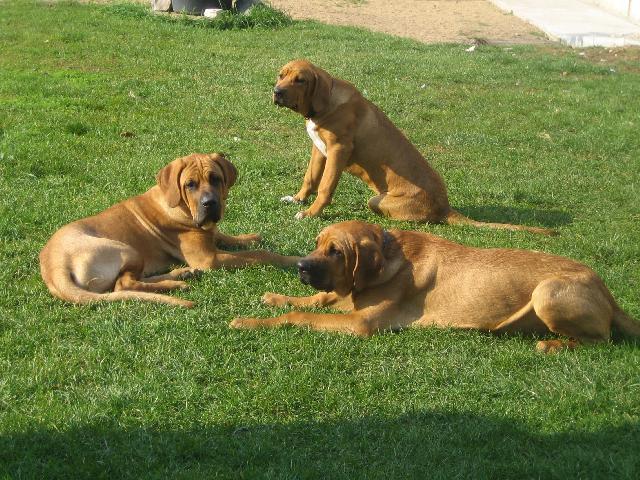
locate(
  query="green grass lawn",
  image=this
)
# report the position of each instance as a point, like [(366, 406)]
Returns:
[(534, 135)]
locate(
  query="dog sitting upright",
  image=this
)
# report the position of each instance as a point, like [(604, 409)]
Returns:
[(349, 133), (395, 279), (116, 254)]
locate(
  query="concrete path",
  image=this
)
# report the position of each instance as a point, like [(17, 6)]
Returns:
[(575, 22)]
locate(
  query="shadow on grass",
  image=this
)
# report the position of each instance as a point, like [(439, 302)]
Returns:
[(415, 445), (516, 215)]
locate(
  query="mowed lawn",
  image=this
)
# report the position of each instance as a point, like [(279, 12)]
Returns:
[(95, 99)]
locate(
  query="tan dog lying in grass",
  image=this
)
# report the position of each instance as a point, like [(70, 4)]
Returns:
[(350, 133), (395, 279), (116, 254)]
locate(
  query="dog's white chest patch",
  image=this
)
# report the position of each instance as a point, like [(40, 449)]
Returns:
[(312, 130)]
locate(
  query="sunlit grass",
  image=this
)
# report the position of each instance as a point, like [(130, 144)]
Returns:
[(93, 102)]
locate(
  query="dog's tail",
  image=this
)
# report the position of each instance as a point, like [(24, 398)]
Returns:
[(456, 218), (625, 324), (61, 284)]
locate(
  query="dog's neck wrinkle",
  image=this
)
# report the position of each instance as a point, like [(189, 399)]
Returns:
[(176, 214), (147, 224), (180, 214)]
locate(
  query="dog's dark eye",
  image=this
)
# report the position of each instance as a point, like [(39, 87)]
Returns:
[(191, 185), (334, 252), (281, 76), (299, 80)]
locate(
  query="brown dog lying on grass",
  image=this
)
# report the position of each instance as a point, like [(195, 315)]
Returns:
[(350, 133), (115, 254), (395, 279)]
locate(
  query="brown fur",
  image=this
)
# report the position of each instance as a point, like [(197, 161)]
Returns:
[(396, 279), (360, 139), (115, 254)]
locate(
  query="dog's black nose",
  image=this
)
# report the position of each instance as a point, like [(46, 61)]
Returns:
[(304, 266), (278, 91), (209, 202), (304, 271)]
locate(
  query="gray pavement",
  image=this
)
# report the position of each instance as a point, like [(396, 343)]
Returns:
[(578, 23)]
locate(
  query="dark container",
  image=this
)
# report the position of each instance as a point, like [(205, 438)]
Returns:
[(197, 7)]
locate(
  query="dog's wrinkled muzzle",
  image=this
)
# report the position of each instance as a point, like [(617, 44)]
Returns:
[(209, 211)]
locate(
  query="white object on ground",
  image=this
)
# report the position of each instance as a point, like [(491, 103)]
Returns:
[(161, 5), (211, 12)]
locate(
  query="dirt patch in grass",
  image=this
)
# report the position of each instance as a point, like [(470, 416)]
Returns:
[(429, 21), (627, 58)]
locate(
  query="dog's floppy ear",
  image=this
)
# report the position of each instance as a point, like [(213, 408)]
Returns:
[(369, 261), (321, 90), (229, 170), (168, 180)]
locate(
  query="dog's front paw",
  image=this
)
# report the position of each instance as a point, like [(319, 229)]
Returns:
[(301, 215), (290, 199), (274, 299), (246, 323)]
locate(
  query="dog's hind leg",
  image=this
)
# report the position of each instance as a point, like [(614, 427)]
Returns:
[(574, 307), (524, 320), (130, 280), (96, 263), (404, 208), (183, 273)]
